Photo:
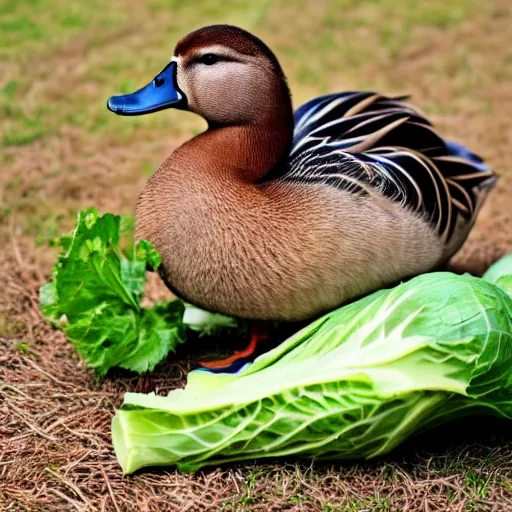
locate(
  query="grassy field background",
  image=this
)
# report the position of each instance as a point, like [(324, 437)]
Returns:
[(61, 151)]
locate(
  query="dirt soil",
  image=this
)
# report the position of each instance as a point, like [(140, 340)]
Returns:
[(55, 415)]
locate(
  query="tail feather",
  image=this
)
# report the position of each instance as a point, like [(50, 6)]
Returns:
[(457, 149)]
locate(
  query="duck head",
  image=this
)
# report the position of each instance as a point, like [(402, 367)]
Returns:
[(221, 72)]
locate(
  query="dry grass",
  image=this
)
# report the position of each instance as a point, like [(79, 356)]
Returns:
[(62, 152)]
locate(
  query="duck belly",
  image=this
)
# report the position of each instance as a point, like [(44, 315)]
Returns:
[(302, 252)]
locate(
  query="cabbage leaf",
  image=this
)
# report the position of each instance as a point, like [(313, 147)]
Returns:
[(95, 296), (501, 273), (352, 384)]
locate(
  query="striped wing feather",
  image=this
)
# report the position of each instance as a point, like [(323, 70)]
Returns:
[(365, 143)]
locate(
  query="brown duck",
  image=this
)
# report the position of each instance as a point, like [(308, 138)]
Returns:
[(273, 216)]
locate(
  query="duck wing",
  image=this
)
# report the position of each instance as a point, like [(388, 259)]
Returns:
[(363, 143)]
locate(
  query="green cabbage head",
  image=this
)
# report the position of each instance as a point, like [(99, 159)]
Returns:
[(353, 384)]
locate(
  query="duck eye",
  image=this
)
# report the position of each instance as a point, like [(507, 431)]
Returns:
[(208, 59)]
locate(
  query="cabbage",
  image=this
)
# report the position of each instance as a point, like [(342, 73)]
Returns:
[(501, 273), (353, 384)]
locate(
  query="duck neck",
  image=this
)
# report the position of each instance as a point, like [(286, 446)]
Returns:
[(244, 152)]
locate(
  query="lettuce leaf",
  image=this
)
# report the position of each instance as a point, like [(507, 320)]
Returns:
[(95, 296), (353, 384)]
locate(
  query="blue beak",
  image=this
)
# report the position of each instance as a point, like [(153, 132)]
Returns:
[(163, 92)]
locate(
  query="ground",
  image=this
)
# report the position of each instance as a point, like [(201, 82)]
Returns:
[(61, 150)]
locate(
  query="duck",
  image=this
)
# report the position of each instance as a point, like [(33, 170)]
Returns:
[(273, 214)]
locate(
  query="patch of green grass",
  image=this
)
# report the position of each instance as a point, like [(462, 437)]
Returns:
[(25, 132), (373, 503), (374, 26), (477, 482), (10, 326), (44, 229), (147, 168), (442, 17), (39, 218), (297, 498), (249, 497), (9, 89), (33, 25), (505, 484), (23, 347), (20, 26), (108, 49)]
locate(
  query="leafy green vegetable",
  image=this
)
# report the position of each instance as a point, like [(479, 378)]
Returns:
[(353, 384), (95, 298), (501, 273)]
